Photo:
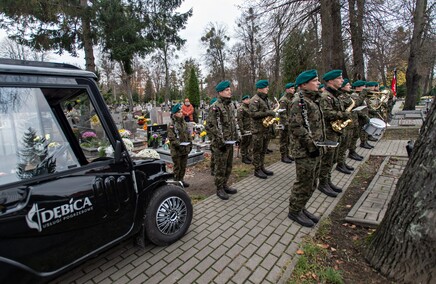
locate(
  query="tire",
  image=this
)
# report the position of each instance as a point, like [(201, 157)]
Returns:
[(168, 215)]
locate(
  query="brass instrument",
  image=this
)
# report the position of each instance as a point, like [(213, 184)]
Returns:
[(377, 99), (270, 120), (338, 125)]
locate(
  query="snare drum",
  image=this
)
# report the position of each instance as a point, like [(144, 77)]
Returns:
[(375, 127)]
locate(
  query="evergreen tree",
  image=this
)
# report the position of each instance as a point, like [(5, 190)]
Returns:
[(192, 90), (33, 158)]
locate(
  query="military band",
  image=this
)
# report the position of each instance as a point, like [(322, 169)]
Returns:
[(318, 125)]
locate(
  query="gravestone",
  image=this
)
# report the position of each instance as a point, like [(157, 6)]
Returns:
[(160, 129)]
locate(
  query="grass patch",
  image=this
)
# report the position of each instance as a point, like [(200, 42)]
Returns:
[(310, 266), (197, 198)]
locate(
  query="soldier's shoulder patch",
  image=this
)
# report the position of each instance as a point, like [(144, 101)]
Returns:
[(171, 126)]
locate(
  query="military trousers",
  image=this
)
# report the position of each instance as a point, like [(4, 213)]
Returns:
[(259, 148), (223, 165), (246, 147), (354, 136), (284, 142), (345, 140), (179, 162), (329, 159), (307, 170)]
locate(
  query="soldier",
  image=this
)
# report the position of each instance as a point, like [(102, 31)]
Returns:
[(212, 159), (347, 132), (221, 128), (285, 104), (306, 126), (259, 110), (244, 122), (371, 88), (361, 120), (333, 110), (180, 143), (321, 88)]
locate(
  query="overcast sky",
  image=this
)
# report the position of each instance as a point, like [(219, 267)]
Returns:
[(223, 12)]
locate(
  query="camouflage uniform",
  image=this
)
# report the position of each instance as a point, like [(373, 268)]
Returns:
[(347, 132), (177, 133), (221, 127), (259, 109), (360, 118), (244, 122), (333, 110), (285, 103), (307, 155)]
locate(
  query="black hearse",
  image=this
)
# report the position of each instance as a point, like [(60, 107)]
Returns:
[(63, 197)]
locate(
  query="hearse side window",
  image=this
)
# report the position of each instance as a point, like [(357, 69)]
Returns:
[(87, 127), (31, 141)]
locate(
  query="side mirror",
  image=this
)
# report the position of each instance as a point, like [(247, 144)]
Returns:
[(118, 152)]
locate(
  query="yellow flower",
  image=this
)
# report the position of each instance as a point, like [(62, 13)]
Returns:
[(94, 120), (203, 133)]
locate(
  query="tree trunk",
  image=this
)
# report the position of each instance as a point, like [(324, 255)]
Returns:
[(332, 47), (167, 74), (404, 246), (412, 76), (87, 37), (356, 28)]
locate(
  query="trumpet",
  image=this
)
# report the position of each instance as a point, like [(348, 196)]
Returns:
[(338, 125), (270, 120)]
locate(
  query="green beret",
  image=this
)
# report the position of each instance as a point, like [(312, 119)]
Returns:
[(358, 83), (382, 88), (213, 100), (346, 81), (321, 86), (305, 77), (261, 84), (289, 85), (371, 84), (222, 86), (332, 75), (176, 108), (245, 97)]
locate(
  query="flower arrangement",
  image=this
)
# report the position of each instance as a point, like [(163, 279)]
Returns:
[(203, 133), (148, 153), (155, 140), (95, 121), (155, 137), (125, 133), (141, 120), (129, 144), (88, 135)]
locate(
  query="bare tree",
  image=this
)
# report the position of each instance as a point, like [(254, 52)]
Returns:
[(214, 40), (413, 77), (13, 50)]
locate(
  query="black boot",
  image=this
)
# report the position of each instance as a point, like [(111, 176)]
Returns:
[(372, 138), (222, 194), (290, 158), (185, 184), (285, 159), (350, 168), (260, 174), (301, 219), (230, 190), (341, 167), (268, 173), (326, 189), (335, 187), (354, 156), (315, 219), (365, 145), (246, 161)]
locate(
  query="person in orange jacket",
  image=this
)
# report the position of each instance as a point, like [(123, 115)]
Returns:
[(188, 111)]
